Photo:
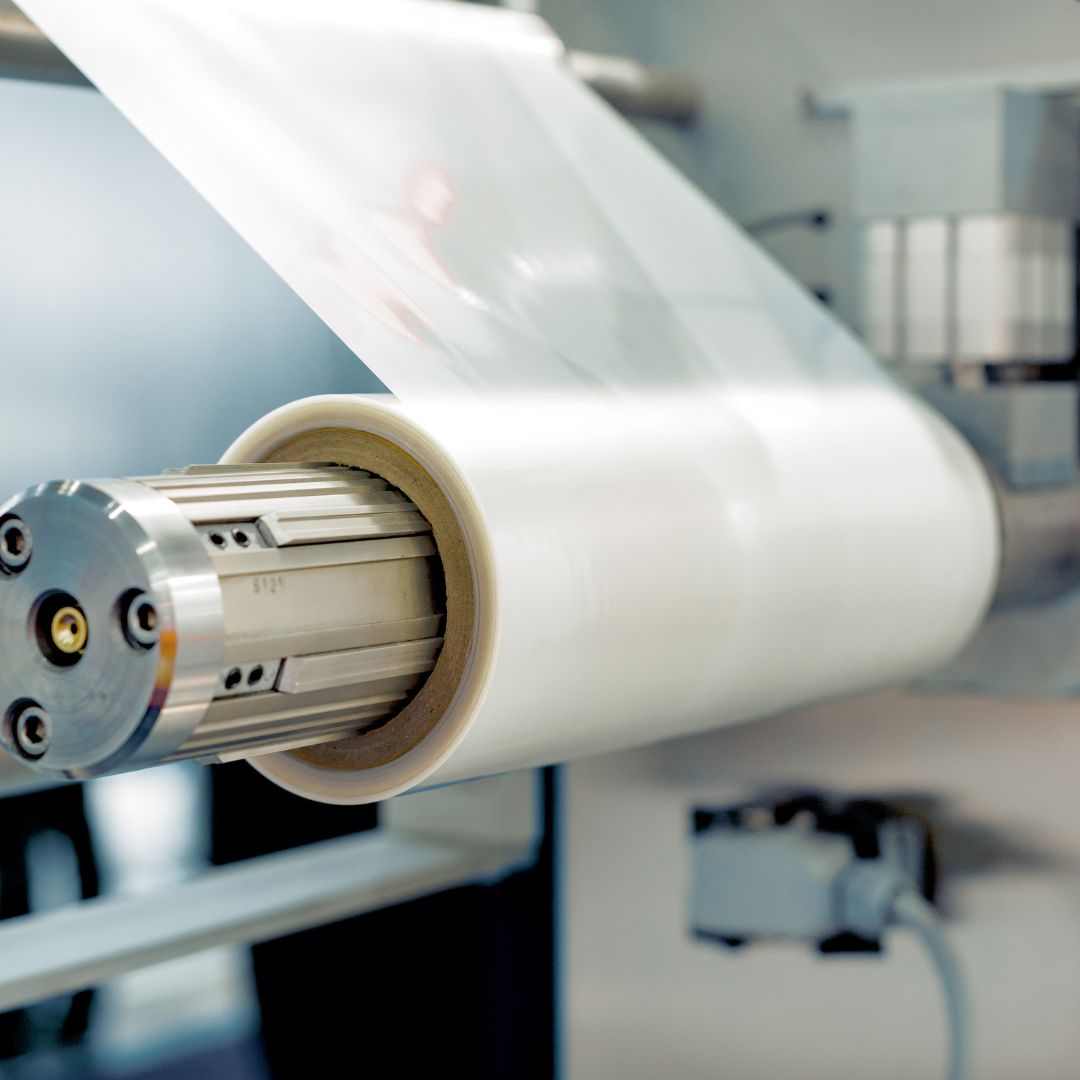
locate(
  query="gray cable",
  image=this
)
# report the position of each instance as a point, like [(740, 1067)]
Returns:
[(912, 912)]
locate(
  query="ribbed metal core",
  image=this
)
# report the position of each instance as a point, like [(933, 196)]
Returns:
[(332, 612), (322, 607)]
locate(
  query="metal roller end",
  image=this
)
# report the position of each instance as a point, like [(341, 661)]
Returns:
[(211, 613), (79, 698)]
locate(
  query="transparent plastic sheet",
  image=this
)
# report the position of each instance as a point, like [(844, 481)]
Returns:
[(694, 498)]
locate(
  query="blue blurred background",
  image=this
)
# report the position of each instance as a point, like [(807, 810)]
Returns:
[(137, 332)]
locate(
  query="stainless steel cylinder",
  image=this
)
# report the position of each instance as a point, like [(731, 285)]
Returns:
[(1040, 545), (212, 613)]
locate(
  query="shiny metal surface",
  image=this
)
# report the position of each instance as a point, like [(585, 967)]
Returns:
[(287, 529), (26, 53), (246, 726), (157, 619), (1040, 545), (637, 89), (98, 542), (301, 674), (326, 639)]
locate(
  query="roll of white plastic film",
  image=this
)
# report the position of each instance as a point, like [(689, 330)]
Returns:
[(670, 492), (652, 565)]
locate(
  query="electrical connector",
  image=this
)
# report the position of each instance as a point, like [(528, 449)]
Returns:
[(802, 870), (779, 882)]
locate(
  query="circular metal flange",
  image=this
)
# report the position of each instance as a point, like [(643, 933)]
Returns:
[(112, 632)]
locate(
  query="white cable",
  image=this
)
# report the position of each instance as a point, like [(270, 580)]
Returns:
[(911, 911), (808, 885)]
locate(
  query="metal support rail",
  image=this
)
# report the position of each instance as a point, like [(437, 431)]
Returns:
[(472, 834)]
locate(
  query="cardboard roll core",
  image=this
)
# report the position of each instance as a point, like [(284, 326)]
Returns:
[(393, 739)]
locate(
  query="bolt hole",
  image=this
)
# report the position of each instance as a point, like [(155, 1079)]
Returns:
[(14, 541), (241, 538), (139, 619), (146, 616), (218, 540), (27, 729), (33, 729), (61, 628), (255, 675), (14, 545), (232, 680)]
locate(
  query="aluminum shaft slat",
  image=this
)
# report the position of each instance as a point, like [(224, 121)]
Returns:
[(363, 702), (314, 556), (303, 674), (241, 650), (296, 728), (285, 531), (331, 725), (299, 468), (224, 476), (270, 746), (206, 512), (252, 486), (229, 718), (378, 500)]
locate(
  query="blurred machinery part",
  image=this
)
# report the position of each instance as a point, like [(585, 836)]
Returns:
[(968, 274), (634, 88), (968, 282), (973, 263), (803, 870), (26, 53), (474, 834), (865, 829), (637, 89)]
